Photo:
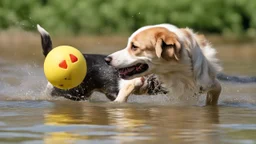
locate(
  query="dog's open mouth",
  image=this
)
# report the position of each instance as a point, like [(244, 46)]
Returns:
[(132, 70)]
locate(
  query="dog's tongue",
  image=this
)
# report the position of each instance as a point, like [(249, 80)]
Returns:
[(138, 68), (126, 70)]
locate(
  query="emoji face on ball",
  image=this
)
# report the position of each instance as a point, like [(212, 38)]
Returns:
[(65, 67)]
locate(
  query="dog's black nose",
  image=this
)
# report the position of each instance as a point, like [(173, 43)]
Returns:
[(108, 60)]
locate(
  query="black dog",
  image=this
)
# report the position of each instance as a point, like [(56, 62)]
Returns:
[(102, 78)]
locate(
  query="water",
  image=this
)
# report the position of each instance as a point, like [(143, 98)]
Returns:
[(30, 116)]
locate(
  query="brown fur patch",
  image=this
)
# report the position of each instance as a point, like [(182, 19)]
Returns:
[(147, 41)]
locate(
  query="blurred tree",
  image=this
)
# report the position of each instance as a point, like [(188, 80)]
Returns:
[(117, 16)]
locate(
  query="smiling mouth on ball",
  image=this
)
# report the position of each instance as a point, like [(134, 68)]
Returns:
[(132, 70)]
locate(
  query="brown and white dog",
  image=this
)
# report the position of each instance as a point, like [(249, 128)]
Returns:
[(184, 61)]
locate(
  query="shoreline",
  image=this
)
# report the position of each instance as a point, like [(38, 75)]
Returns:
[(23, 35)]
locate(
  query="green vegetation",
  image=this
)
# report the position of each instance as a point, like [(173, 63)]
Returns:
[(124, 16)]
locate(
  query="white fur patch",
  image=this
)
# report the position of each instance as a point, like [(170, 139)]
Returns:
[(42, 30), (210, 54), (135, 81)]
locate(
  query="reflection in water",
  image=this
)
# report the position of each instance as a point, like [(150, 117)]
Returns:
[(64, 114), (60, 138), (81, 122), (132, 123)]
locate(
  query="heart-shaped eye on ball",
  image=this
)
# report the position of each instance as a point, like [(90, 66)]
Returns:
[(73, 58), (63, 64)]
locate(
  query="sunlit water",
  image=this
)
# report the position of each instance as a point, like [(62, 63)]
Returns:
[(30, 116)]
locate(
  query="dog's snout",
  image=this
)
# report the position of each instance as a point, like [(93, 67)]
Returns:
[(108, 60)]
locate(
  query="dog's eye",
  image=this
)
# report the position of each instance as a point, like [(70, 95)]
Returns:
[(134, 47)]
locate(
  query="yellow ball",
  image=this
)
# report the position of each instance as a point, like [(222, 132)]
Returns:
[(65, 67)]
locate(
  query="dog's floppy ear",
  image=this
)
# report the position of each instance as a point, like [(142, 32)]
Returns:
[(167, 46)]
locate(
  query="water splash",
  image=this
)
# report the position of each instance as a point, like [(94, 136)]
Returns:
[(22, 82), (27, 82)]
